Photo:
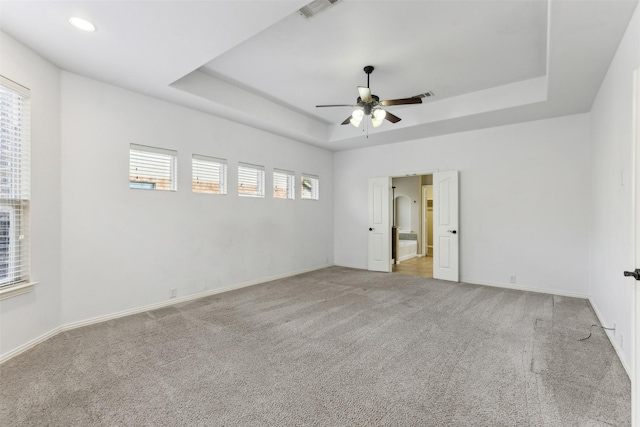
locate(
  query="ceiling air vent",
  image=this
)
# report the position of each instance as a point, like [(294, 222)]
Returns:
[(424, 95), (316, 7)]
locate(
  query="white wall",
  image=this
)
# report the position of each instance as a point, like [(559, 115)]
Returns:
[(123, 248), (524, 199), (31, 315), (612, 197), (99, 248)]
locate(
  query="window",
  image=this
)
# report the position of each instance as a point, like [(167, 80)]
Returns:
[(14, 182), (250, 180), (209, 175), (310, 185), (283, 184), (152, 168)]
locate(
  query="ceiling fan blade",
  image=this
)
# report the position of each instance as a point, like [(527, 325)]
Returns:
[(402, 101), (392, 118), (337, 105), (365, 93), (347, 121)]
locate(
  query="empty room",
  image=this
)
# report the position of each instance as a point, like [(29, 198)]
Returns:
[(326, 213)]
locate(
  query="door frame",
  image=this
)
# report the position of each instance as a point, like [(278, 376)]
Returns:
[(424, 221)]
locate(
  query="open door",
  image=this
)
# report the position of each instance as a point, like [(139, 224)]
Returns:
[(379, 224), (445, 226), (635, 364)]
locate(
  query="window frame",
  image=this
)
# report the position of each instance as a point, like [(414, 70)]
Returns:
[(15, 181), (314, 191), (11, 245), (260, 180), (290, 189), (155, 154), (223, 182)]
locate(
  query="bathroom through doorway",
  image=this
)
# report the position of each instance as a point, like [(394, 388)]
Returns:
[(412, 225)]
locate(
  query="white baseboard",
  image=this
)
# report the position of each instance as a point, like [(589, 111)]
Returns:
[(406, 257), (525, 288), (612, 339), (34, 342), (355, 267), (155, 306)]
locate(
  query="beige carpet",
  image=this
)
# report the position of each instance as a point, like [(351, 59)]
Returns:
[(336, 347)]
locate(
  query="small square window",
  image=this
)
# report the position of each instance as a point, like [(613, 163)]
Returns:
[(209, 175), (152, 168), (250, 180), (310, 187), (284, 184)]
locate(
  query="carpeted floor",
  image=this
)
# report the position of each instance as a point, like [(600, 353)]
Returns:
[(335, 347)]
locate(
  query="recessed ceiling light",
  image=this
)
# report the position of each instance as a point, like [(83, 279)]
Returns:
[(82, 24)]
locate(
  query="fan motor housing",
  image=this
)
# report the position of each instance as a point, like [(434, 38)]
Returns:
[(368, 106)]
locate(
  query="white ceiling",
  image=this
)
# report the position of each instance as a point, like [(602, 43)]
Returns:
[(260, 63), (414, 46)]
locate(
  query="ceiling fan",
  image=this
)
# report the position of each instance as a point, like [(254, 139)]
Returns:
[(368, 104)]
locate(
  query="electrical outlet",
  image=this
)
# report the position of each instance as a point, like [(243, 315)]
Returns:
[(512, 279), (174, 292)]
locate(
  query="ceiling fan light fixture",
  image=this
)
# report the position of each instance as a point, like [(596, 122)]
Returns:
[(377, 117), (356, 117), (370, 105)]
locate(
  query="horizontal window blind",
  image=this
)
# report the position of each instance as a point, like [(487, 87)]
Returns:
[(152, 168), (283, 184), (310, 187), (14, 182), (209, 175), (250, 180)]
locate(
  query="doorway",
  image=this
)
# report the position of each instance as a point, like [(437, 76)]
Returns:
[(412, 225), (445, 225)]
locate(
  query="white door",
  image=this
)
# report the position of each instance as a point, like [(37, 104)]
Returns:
[(445, 226), (635, 380), (379, 224)]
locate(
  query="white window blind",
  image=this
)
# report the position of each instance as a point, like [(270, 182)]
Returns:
[(209, 175), (310, 187), (250, 180), (152, 168), (283, 184), (14, 182)]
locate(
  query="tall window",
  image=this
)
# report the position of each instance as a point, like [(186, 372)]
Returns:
[(284, 184), (152, 168), (14, 182), (250, 180), (209, 175), (310, 187)]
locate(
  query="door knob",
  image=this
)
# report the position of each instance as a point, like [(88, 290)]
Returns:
[(370, 229), (635, 274), (452, 231)]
